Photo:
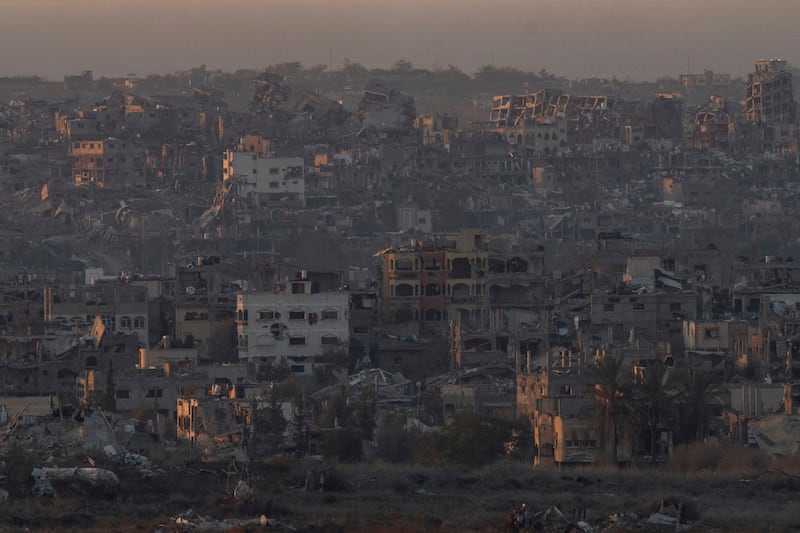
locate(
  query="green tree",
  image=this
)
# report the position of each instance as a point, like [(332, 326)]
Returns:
[(276, 423), (365, 412), (268, 427), (301, 432), (336, 412), (452, 73), (275, 372), (402, 65), (609, 392), (110, 399), (394, 442), (546, 75), (343, 445), (697, 394), (501, 74), (653, 400), (432, 405), (352, 68), (476, 440), (290, 390), (286, 69)]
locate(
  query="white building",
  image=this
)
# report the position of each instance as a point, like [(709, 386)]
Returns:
[(298, 324), (410, 218), (264, 181)]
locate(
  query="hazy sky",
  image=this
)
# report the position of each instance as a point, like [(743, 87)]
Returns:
[(640, 39)]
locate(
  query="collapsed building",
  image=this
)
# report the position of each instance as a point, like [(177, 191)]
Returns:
[(386, 109), (573, 116)]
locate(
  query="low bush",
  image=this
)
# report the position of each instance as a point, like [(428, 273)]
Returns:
[(702, 457), (19, 462), (341, 445)]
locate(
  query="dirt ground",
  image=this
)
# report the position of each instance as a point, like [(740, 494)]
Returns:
[(309, 495)]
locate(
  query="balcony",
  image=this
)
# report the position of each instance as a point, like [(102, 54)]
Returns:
[(471, 300), (405, 275)]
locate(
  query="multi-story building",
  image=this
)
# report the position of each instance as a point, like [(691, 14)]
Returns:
[(299, 324), (657, 316), (411, 218), (708, 79), (266, 181), (770, 109), (462, 279), (552, 396), (122, 307), (717, 335), (435, 129), (768, 93), (139, 390), (109, 163), (204, 303), (436, 283)]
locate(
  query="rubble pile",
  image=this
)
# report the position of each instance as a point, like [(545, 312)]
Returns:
[(669, 515), (191, 520), (47, 478)]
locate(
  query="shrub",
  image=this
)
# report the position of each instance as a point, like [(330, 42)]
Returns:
[(341, 445), (475, 440), (429, 449), (709, 457), (19, 464), (394, 442)]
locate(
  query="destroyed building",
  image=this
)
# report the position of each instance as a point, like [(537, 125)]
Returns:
[(109, 162), (137, 391), (770, 109), (713, 125), (122, 307), (265, 181), (769, 96), (436, 284), (386, 109), (550, 393), (583, 114), (637, 224), (235, 426), (204, 308)]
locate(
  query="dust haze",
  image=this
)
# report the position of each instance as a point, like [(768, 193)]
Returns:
[(636, 39)]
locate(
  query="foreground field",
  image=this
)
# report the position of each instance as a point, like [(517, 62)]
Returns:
[(309, 495)]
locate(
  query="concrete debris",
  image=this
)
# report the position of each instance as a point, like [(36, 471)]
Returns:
[(385, 108), (96, 432), (549, 519), (95, 477), (136, 460), (670, 514), (242, 491), (777, 434), (191, 520)]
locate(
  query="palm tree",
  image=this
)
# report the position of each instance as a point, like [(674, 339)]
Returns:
[(697, 393), (609, 391), (653, 399)]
